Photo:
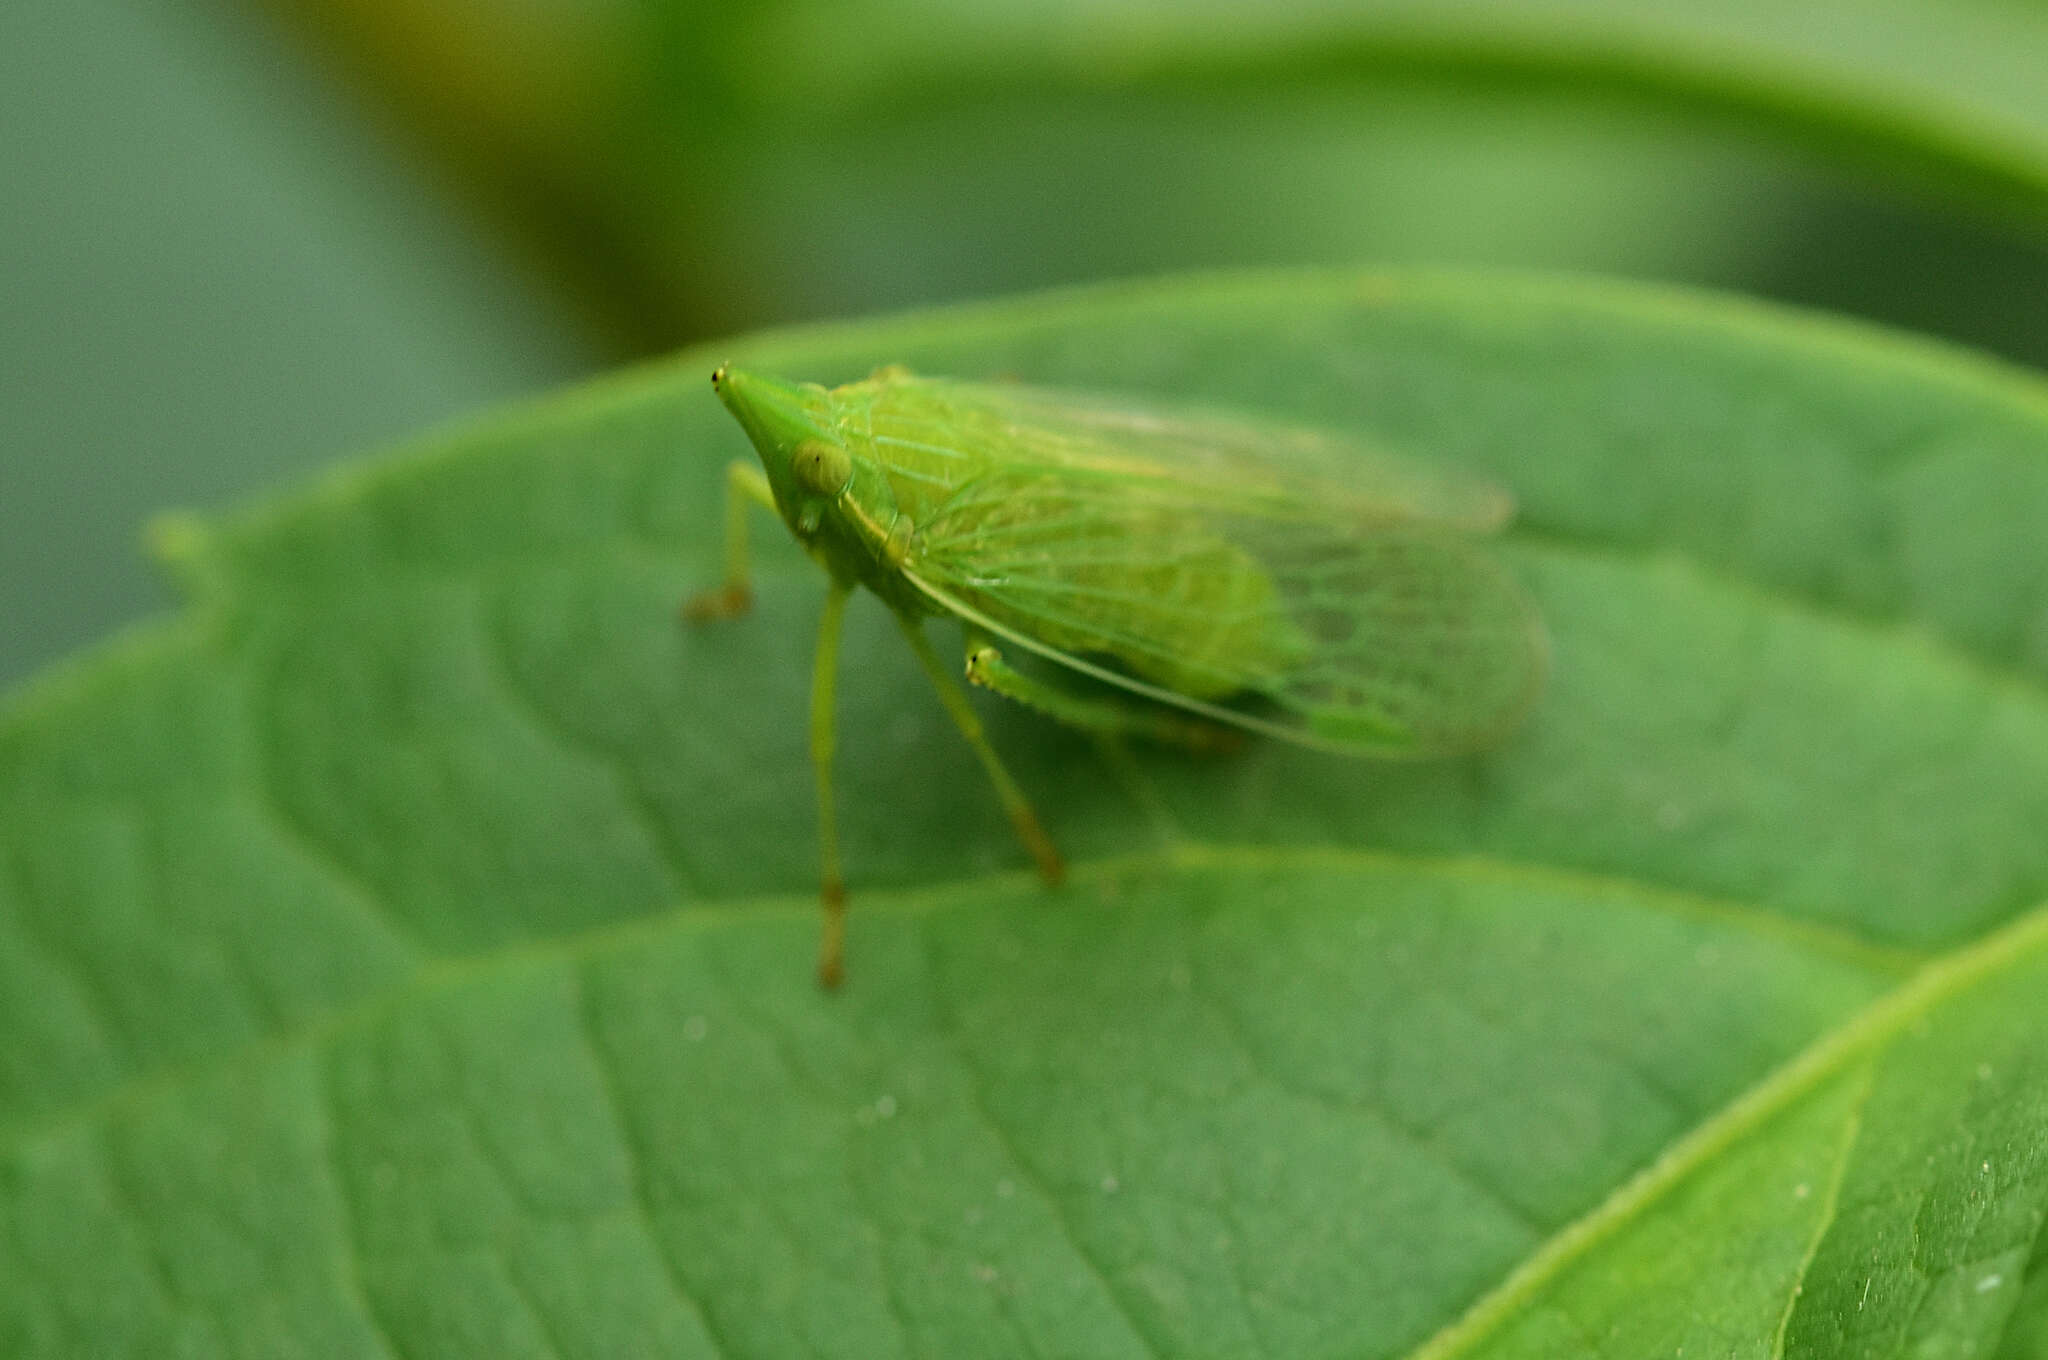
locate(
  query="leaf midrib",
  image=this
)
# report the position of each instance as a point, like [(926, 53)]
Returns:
[(1863, 1034)]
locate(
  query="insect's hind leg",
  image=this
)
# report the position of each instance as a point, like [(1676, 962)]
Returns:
[(1095, 713), (745, 487), (1050, 866)]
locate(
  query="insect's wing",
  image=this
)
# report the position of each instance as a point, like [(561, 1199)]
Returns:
[(915, 421), (1362, 630)]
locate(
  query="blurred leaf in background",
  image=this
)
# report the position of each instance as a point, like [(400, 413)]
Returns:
[(215, 274), (713, 166), (227, 270)]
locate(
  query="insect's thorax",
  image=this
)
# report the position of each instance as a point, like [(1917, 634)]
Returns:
[(922, 449), (864, 539), (904, 468), (859, 534)]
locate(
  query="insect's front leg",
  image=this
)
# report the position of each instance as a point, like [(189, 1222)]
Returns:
[(745, 487), (831, 887), (1094, 713)]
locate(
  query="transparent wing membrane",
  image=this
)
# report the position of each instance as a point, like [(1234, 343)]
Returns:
[(939, 432), (1362, 628)]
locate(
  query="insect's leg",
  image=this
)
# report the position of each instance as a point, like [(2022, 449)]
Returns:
[(745, 487), (1095, 713), (962, 712), (831, 887)]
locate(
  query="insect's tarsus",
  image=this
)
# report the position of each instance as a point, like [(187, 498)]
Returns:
[(832, 940), (744, 487)]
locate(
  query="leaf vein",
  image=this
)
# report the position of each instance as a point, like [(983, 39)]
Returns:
[(1831, 1204), (632, 789), (630, 1147), (1869, 1031), (947, 1029), (347, 1259)]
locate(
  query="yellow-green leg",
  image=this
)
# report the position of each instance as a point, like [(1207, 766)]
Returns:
[(831, 887), (745, 487), (1095, 713), (964, 717)]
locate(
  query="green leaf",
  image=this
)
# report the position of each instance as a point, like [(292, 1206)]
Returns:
[(700, 167), (407, 948), (1954, 83)]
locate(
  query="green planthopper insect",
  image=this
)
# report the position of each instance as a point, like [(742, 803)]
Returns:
[(1214, 574)]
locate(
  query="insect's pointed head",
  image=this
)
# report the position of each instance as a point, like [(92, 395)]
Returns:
[(776, 415), (791, 426)]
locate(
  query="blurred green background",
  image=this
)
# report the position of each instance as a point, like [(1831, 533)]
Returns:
[(243, 241)]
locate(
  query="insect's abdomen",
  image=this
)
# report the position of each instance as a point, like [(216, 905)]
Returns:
[(1212, 597), (1194, 613)]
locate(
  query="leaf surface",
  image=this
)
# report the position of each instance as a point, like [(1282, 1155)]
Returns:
[(406, 948)]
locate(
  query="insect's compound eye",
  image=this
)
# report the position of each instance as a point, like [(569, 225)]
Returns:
[(822, 469)]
